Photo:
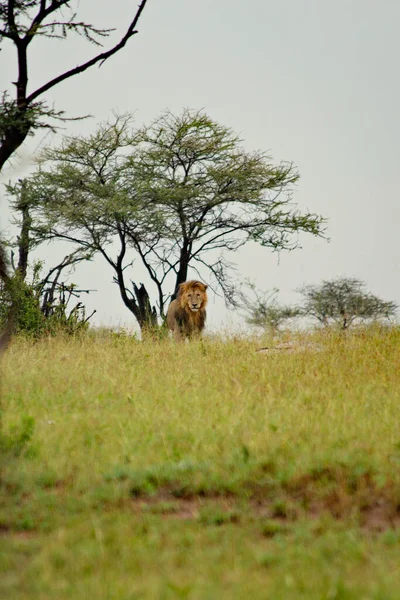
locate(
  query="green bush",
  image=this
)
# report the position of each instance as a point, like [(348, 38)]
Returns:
[(35, 318)]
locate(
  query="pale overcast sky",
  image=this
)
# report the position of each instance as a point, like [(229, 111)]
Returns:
[(311, 81)]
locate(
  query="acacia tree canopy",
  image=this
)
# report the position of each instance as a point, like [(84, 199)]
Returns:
[(180, 194), (212, 195), (342, 301)]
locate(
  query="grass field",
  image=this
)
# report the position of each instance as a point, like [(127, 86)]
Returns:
[(205, 470)]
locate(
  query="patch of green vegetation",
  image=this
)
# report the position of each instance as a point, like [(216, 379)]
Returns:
[(217, 515), (271, 528), (16, 440)]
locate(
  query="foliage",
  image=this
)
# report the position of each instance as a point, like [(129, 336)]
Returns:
[(210, 195), (266, 311), (8, 319), (344, 301), (28, 315), (40, 308), (177, 195)]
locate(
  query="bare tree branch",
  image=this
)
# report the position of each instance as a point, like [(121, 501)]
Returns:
[(41, 15), (100, 58)]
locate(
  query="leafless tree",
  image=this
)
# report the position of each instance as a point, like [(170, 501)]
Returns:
[(264, 309)]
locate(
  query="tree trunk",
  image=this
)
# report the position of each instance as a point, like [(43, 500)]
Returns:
[(13, 138), (147, 314), (183, 268), (144, 313), (24, 237)]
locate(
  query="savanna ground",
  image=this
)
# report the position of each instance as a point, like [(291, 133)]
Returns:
[(205, 470)]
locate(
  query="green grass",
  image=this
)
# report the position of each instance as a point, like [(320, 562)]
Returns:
[(203, 470)]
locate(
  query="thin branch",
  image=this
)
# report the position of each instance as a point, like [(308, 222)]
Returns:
[(210, 268), (103, 56), (57, 235), (67, 261), (6, 34), (153, 276), (42, 14), (216, 237), (11, 21), (90, 316), (107, 258)]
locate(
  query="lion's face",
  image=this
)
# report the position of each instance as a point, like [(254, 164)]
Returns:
[(193, 296)]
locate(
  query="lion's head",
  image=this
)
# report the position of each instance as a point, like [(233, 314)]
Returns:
[(192, 296)]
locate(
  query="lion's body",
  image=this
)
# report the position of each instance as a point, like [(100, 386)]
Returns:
[(186, 315)]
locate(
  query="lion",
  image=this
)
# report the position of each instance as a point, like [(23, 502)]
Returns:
[(186, 316)]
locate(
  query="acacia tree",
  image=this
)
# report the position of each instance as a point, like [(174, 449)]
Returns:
[(177, 194), (343, 301), (84, 199), (22, 21), (211, 196)]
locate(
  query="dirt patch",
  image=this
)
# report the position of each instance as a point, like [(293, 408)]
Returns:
[(340, 495), (182, 509), (380, 517), (8, 530), (166, 504)]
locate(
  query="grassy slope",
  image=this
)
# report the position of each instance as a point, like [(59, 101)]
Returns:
[(201, 471)]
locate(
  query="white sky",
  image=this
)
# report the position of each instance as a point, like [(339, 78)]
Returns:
[(311, 81)]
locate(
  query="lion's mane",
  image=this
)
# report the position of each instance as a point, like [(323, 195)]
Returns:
[(182, 318)]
